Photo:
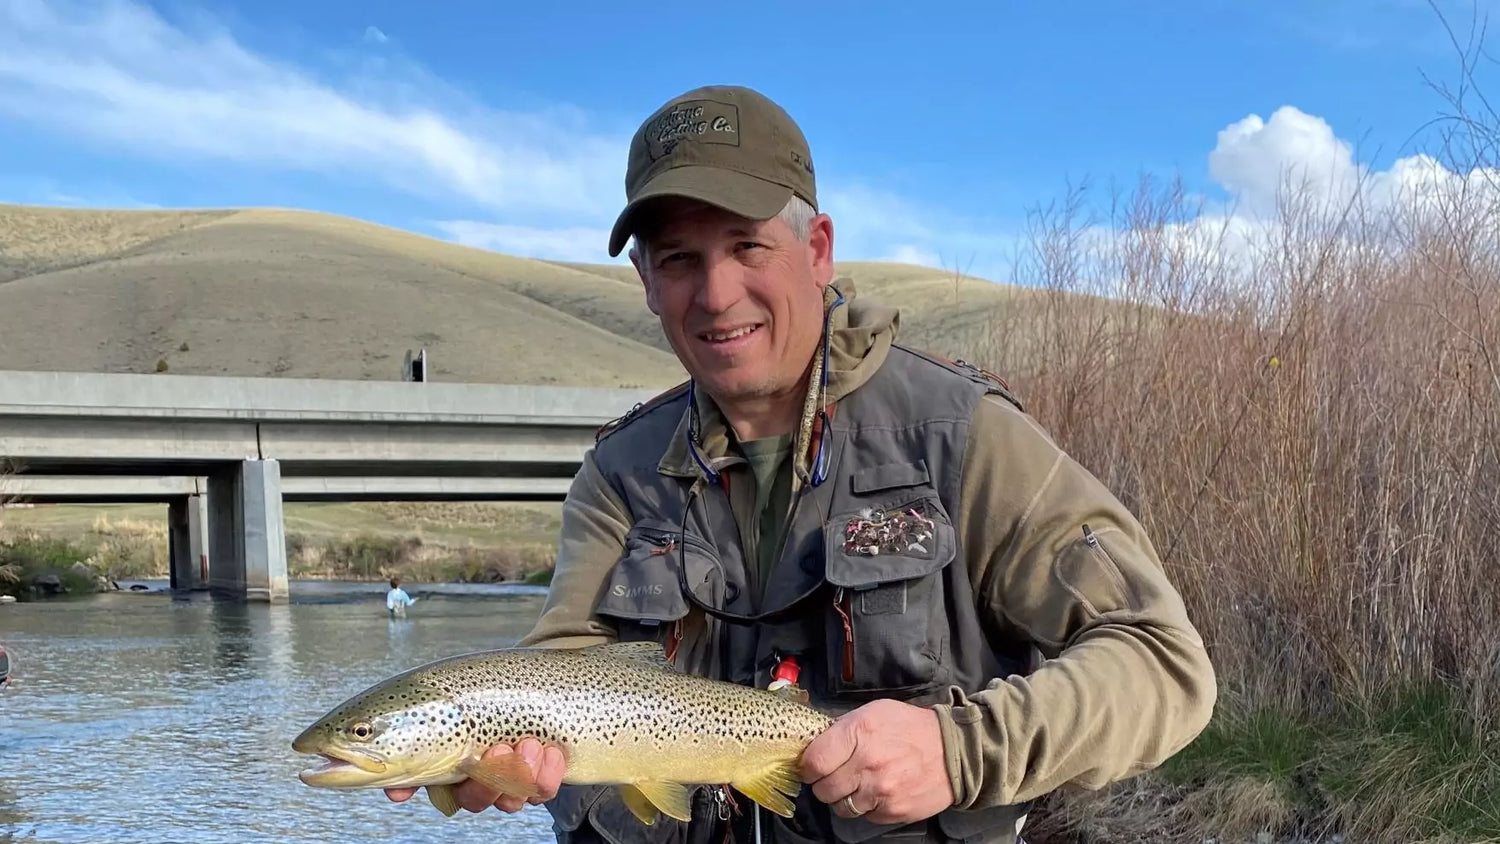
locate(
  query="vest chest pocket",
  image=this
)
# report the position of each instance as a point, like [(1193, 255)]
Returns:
[(643, 597), (886, 549)]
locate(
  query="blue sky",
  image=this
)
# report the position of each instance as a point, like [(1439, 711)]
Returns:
[(935, 127)]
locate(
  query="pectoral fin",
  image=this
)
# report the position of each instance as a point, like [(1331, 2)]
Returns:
[(443, 799), (507, 773), (638, 805), (669, 797), (773, 787)]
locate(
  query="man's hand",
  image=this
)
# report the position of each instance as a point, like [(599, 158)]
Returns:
[(547, 765), (885, 756)]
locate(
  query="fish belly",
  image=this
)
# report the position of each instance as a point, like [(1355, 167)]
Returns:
[(699, 759)]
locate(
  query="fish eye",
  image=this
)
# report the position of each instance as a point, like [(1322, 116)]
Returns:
[(361, 730)]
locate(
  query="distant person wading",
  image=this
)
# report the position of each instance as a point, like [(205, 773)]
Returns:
[(396, 600)]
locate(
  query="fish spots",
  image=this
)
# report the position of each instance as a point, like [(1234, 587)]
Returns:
[(607, 710)]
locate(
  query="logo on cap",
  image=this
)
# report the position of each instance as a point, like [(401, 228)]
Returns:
[(704, 121)]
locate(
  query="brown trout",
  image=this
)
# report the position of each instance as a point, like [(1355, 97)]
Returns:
[(621, 714)]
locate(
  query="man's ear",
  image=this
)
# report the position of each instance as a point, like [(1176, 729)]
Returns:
[(820, 249), (645, 275)]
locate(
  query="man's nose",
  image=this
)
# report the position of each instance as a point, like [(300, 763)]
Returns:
[(723, 285)]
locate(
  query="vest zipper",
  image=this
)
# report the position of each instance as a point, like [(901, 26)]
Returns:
[(674, 640), (843, 603)]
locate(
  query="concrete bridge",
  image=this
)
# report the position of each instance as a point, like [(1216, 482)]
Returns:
[(224, 453)]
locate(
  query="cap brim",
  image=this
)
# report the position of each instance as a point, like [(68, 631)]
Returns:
[(737, 193)]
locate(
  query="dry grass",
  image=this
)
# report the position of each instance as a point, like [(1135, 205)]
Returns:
[(9, 572), (423, 542), (40, 239), (1310, 428), (280, 293), (271, 292), (369, 556)]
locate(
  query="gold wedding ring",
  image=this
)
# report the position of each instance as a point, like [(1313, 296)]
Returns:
[(849, 802)]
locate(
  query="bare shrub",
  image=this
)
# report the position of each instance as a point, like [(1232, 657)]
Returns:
[(1308, 423), (1305, 412)]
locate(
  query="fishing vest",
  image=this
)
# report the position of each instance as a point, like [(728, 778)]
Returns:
[(870, 594)]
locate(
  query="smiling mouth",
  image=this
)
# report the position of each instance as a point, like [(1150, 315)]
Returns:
[(727, 336)]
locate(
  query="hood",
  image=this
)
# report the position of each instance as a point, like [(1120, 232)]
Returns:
[(860, 335)]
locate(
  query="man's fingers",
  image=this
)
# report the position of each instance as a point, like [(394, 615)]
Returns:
[(549, 774), (837, 785), (829, 750), (547, 763), (530, 749), (506, 803), (475, 797)]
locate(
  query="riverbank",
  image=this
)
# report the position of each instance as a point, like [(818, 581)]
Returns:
[(76, 548), (1405, 767)]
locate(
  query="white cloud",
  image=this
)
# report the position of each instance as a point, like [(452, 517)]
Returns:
[(544, 183), (120, 74), (1254, 156), (559, 244), (1291, 183), (909, 254), (871, 225), (1259, 161)]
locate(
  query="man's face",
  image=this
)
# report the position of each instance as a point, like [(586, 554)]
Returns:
[(741, 301)]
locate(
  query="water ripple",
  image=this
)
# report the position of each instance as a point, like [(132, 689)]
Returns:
[(144, 718)]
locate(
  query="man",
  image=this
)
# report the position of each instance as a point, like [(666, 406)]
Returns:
[(396, 599), (820, 506)]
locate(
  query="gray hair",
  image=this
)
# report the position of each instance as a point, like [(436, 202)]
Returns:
[(797, 214)]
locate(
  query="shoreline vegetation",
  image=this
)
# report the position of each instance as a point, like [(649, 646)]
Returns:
[(49, 550), (1304, 410)]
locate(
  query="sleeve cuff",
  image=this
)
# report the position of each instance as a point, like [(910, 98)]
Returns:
[(951, 723)]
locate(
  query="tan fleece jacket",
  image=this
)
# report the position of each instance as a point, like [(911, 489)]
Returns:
[(1125, 682)]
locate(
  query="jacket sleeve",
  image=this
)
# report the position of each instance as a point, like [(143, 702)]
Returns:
[(592, 538), (1125, 682)]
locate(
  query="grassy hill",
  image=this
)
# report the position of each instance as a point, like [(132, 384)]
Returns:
[(278, 292), (270, 292)]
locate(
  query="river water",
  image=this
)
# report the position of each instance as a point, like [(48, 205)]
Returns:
[(157, 718)]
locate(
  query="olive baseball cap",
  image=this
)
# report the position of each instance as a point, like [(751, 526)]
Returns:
[(726, 145)]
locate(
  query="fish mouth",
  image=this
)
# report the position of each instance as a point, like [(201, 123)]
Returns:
[(343, 768)]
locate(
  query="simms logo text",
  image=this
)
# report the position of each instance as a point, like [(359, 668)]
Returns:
[(636, 591)]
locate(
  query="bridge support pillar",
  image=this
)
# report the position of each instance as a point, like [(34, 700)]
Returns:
[(187, 542), (247, 540)]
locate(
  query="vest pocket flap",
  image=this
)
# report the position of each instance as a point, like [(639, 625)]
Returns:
[(966, 824), (857, 830), (868, 548), (643, 586), (890, 476), (573, 803)]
